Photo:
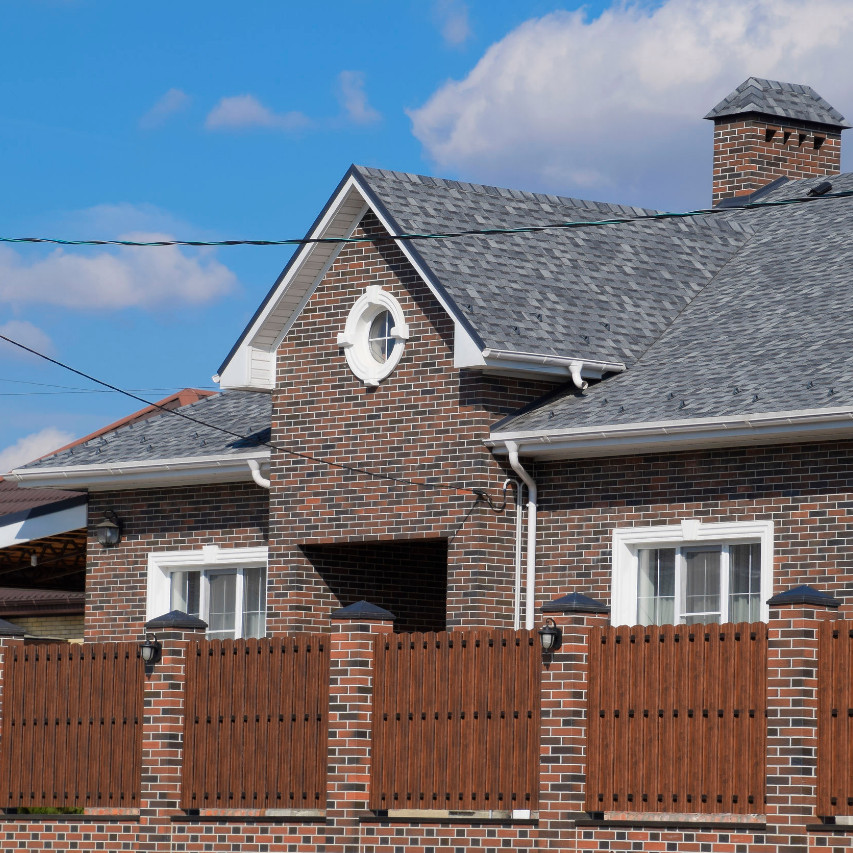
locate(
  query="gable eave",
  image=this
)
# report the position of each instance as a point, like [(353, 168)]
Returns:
[(274, 317)]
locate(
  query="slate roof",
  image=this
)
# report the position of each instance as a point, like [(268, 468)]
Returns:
[(602, 294), (781, 100), (770, 333), (168, 436)]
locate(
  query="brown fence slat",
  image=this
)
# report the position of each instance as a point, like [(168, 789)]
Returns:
[(256, 723), (835, 719), (456, 721), (72, 726), (671, 711)]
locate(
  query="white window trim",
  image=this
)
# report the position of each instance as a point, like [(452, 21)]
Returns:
[(690, 531), (354, 338), (161, 564)]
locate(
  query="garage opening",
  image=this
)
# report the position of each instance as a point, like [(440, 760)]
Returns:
[(407, 577)]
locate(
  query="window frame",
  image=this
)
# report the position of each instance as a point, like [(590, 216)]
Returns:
[(209, 558), (627, 541), (355, 338)]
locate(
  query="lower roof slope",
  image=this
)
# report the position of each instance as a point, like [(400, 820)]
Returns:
[(168, 436), (770, 333)]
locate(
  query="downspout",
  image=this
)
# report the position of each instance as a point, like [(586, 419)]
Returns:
[(530, 598), (519, 523), (255, 468)]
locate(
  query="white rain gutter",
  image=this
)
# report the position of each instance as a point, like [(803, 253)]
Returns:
[(497, 359), (255, 468), (530, 597), (651, 437)]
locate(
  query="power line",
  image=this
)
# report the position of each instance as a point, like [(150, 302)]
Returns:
[(446, 235), (241, 437)]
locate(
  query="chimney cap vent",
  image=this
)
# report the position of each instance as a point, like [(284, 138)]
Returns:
[(777, 100)]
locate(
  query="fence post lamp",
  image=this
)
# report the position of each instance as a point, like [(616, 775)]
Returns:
[(550, 636), (108, 531), (150, 649)]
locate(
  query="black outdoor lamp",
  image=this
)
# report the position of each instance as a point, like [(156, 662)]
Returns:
[(550, 636), (150, 649), (108, 531)]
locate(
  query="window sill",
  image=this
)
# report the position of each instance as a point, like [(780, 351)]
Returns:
[(674, 820)]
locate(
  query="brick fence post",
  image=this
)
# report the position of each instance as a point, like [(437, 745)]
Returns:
[(563, 741), (350, 701), (792, 713), (163, 729)]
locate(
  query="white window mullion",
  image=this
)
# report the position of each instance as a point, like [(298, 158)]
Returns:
[(680, 592), (724, 584)]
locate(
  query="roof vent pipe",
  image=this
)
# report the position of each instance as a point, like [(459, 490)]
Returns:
[(255, 468), (575, 368)]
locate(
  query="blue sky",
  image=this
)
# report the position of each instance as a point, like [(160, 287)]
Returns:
[(209, 120)]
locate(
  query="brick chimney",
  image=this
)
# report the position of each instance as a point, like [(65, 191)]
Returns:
[(766, 130)]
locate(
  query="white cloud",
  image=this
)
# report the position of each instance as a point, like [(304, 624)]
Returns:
[(172, 102), (246, 111), (125, 278), (32, 447), (25, 333), (452, 18), (353, 98), (611, 107)]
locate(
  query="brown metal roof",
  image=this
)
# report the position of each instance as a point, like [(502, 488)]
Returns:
[(26, 602), (14, 499)]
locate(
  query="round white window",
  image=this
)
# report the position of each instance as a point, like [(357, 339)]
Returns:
[(374, 336)]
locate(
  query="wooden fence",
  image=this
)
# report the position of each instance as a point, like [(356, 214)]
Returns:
[(256, 725), (676, 719), (835, 719), (456, 721), (72, 726)]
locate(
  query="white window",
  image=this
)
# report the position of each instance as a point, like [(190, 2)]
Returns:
[(226, 587), (692, 573), (374, 336)]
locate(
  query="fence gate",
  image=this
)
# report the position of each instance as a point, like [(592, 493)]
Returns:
[(72, 726), (456, 721), (256, 724), (676, 718)]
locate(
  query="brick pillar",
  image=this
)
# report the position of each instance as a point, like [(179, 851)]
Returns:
[(563, 743), (792, 713), (350, 700), (163, 729)]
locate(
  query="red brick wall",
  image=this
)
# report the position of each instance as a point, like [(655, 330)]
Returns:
[(807, 490), (228, 515), (426, 421), (745, 159)]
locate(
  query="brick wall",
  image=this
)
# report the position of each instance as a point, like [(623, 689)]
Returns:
[(61, 627), (228, 515), (750, 152), (807, 490), (426, 421)]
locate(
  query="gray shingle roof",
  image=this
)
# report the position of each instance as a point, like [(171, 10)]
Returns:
[(771, 333), (601, 293), (782, 100), (168, 436)]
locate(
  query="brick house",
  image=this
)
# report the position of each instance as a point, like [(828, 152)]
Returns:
[(675, 391), (480, 431)]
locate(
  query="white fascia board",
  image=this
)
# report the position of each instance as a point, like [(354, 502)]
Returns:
[(40, 526), (237, 374), (666, 436), (153, 474)]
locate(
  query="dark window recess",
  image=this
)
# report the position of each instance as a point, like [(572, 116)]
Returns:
[(818, 141)]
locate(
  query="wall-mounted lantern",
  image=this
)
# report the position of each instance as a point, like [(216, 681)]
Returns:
[(150, 650), (550, 636), (108, 531)]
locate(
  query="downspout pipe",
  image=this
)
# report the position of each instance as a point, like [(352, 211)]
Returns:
[(530, 592), (255, 468)]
